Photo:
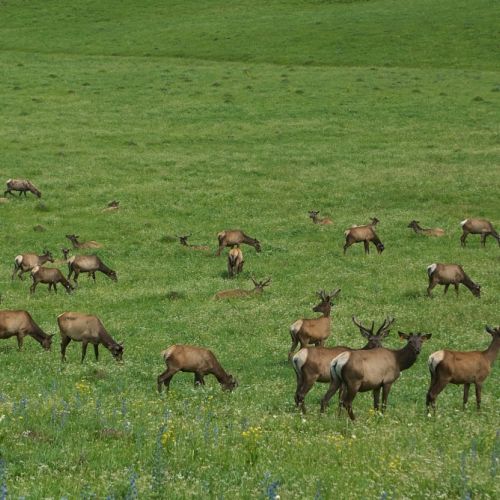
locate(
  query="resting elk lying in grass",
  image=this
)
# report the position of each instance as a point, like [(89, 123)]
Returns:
[(238, 292), (454, 367), (88, 264), (233, 237), (312, 364), (19, 324), (48, 275), (478, 226), (21, 185), (365, 234), (27, 261), (184, 242), (316, 330), (87, 244), (197, 360), (314, 215), (437, 231), (450, 274), (235, 261)]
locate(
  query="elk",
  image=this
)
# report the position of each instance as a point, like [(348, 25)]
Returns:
[(235, 261), (184, 242), (454, 367), (373, 370), (27, 261), (86, 328), (450, 274), (88, 244), (235, 237), (478, 226), (88, 264), (314, 215), (437, 231), (238, 292), (197, 360), (313, 331), (312, 364), (48, 275), (64, 260), (112, 206), (21, 185), (356, 234), (20, 324)]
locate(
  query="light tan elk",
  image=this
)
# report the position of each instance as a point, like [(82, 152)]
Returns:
[(316, 330), (365, 234), (197, 360), (21, 185), (314, 215), (373, 370), (27, 261), (437, 231), (184, 242), (238, 292), (235, 261), (112, 206), (478, 226), (233, 237), (450, 274), (87, 244), (453, 367), (19, 324), (86, 329), (88, 264), (49, 276), (312, 364)]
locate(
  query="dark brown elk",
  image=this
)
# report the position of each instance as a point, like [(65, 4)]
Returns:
[(478, 226), (184, 242), (235, 261), (48, 276), (197, 360), (373, 370), (316, 330), (64, 260), (112, 206), (238, 292), (21, 185), (454, 367), (450, 274), (19, 324), (88, 264), (87, 244), (415, 225), (312, 364), (314, 215), (233, 237), (27, 261), (365, 234), (87, 329)]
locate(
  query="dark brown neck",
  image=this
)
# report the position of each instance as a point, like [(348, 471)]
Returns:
[(406, 356), (37, 333), (220, 374), (468, 283), (491, 353)]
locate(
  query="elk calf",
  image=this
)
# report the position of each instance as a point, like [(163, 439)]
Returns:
[(19, 324), (238, 292), (197, 360), (235, 261), (314, 215), (365, 234), (27, 261), (184, 242), (478, 226), (50, 276), (233, 237), (437, 231), (88, 264), (450, 274), (21, 185), (88, 244)]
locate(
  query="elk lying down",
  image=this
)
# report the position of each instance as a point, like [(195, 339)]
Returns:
[(21, 185), (437, 231), (27, 261), (450, 274), (88, 264), (87, 244), (197, 360), (365, 234), (86, 329), (454, 367), (184, 242), (233, 237), (235, 261), (50, 276), (19, 324), (478, 226), (238, 292), (312, 364), (314, 215)]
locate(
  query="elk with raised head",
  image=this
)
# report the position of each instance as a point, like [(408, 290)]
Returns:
[(19, 324), (197, 360), (87, 329), (48, 276), (21, 185), (235, 261), (312, 364), (314, 215), (450, 274), (316, 330), (238, 292), (27, 261), (365, 234), (454, 367), (478, 226), (184, 242), (88, 264), (233, 237), (64, 260), (373, 370), (415, 225), (87, 244)]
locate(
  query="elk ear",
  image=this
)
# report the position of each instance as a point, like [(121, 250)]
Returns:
[(427, 336), (490, 330), (403, 336)]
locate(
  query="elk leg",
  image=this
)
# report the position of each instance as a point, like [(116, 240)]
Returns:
[(367, 246), (165, 378), (96, 351), (54, 287), (93, 276), (347, 399), (483, 239), (301, 393), (478, 395), (295, 343), (346, 246), (463, 237), (385, 394), (219, 250), (434, 391), (466, 394), (84, 349), (64, 343), (456, 288), (432, 285), (376, 398), (75, 276), (446, 288), (20, 339), (334, 386), (198, 379)]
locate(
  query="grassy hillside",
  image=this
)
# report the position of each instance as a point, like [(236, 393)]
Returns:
[(205, 116)]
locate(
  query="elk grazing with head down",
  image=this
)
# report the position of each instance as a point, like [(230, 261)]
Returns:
[(184, 242), (313, 331), (415, 225), (19, 324), (87, 244), (233, 237), (314, 215), (312, 364), (197, 360), (238, 292), (450, 274), (86, 329), (88, 264), (365, 234), (373, 370), (27, 261), (49, 276), (21, 185), (478, 226), (454, 367), (235, 261)]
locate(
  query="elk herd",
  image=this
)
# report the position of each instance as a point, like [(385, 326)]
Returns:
[(346, 370)]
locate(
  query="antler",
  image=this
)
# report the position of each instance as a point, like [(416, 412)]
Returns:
[(364, 331), (385, 326), (321, 294), (253, 281), (334, 293), (266, 282), (492, 330)]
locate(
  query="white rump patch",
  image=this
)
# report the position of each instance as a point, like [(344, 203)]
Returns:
[(296, 326), (463, 222), (167, 352), (337, 364), (18, 260), (431, 269), (346, 232), (299, 359), (71, 259), (35, 269), (434, 359)]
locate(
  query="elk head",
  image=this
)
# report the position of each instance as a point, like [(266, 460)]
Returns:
[(415, 339), (375, 339)]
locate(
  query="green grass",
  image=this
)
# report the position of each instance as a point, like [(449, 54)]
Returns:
[(386, 109)]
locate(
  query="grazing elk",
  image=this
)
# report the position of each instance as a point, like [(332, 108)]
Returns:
[(20, 324), (454, 367), (197, 360), (184, 242), (356, 234), (314, 215), (312, 364), (437, 231), (21, 185), (49, 275), (235, 261), (478, 226), (313, 331), (238, 292), (235, 237), (27, 261), (88, 264), (86, 329), (373, 370), (450, 274), (88, 244)]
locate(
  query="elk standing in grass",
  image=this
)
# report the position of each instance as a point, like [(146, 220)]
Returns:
[(19, 324), (87, 244), (88, 264), (233, 237), (64, 260), (197, 360), (238, 292), (314, 215), (21, 185), (235, 261), (437, 231), (454, 367), (27, 261), (450, 274), (184, 242), (49, 275), (356, 234), (478, 226)]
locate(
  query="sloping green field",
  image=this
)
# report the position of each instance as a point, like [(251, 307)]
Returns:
[(209, 115)]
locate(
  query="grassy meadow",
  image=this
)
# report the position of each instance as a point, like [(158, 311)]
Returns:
[(209, 115)]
